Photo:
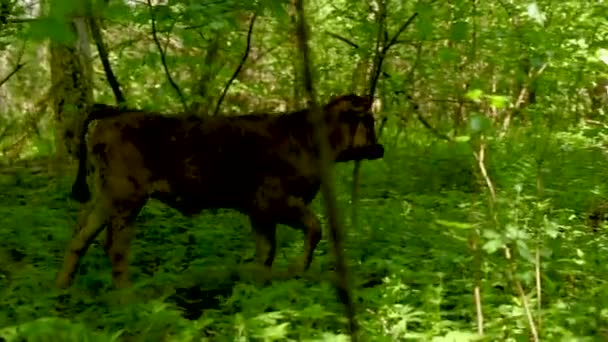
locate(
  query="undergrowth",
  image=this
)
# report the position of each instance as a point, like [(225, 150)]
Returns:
[(411, 259)]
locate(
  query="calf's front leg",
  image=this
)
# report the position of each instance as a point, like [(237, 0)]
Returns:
[(299, 216)]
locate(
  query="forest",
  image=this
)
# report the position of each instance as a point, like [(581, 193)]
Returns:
[(483, 217)]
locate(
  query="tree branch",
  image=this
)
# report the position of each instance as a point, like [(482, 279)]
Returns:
[(343, 39), (21, 20), (103, 55), (325, 171), (382, 54), (12, 73), (238, 69), (163, 57)]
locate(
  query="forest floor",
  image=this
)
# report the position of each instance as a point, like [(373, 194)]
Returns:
[(411, 260)]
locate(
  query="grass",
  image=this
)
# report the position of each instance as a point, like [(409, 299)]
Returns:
[(410, 257)]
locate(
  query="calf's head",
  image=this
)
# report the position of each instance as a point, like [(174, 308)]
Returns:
[(350, 125)]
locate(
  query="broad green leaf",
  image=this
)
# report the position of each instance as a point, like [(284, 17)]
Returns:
[(475, 94), (63, 8), (493, 245), (53, 28), (524, 251), (424, 22), (498, 101), (275, 332), (459, 31), (479, 123)]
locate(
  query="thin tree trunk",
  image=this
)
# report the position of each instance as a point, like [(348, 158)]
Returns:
[(72, 91)]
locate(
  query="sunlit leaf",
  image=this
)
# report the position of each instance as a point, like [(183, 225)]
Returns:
[(498, 101), (462, 138), (474, 94), (602, 55), (535, 13), (453, 224), (493, 245)]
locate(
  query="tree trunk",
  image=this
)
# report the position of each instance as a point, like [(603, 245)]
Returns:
[(72, 91)]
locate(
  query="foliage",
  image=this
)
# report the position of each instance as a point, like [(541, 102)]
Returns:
[(513, 79), (412, 266)]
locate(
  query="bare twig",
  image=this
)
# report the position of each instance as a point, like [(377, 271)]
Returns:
[(12, 73), (381, 49), (163, 57), (168, 33), (430, 127), (477, 289), (521, 98), (382, 53), (522, 294), (539, 288), (415, 106), (103, 55), (325, 170), (480, 157), (343, 39), (238, 69), (376, 67)]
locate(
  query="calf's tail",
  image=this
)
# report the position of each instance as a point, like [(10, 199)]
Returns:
[(80, 188)]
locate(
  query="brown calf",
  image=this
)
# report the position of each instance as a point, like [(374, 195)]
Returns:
[(265, 166)]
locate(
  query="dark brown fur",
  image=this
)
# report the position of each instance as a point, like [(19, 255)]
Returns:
[(265, 166)]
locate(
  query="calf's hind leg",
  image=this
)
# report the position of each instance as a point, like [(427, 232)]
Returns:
[(265, 241), (118, 243), (90, 226)]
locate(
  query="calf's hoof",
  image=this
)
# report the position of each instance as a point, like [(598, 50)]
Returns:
[(296, 269), (63, 281)]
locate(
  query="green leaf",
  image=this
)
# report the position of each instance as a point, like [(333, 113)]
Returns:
[(53, 28), (459, 31), (602, 55), (63, 8), (275, 332), (448, 54), (453, 224), (493, 245), (457, 336), (462, 138), (277, 9), (479, 123), (535, 13), (162, 12), (474, 95), (498, 101), (424, 22), (524, 251)]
